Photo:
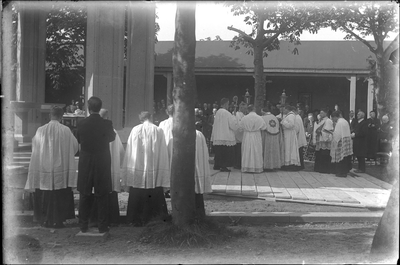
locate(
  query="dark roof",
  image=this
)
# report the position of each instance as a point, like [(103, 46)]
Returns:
[(345, 56)]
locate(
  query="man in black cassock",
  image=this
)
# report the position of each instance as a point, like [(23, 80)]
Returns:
[(94, 168)]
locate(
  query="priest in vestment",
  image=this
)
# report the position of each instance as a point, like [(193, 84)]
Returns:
[(117, 154), (52, 172), (252, 124), (322, 138), (223, 137), (341, 146), (301, 136), (146, 171), (271, 141), (292, 159)]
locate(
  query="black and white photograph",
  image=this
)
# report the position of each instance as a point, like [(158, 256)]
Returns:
[(200, 132)]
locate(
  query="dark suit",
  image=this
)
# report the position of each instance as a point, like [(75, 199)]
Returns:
[(94, 170), (360, 143)]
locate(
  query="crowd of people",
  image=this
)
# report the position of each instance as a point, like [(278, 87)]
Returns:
[(238, 136)]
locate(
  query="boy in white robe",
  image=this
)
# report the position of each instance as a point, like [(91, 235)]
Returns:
[(252, 124), (52, 172), (301, 136), (146, 170), (271, 141), (223, 137), (288, 122)]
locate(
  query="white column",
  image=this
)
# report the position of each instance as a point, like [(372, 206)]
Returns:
[(370, 96), (353, 81), (30, 76), (105, 57), (170, 85), (140, 61)]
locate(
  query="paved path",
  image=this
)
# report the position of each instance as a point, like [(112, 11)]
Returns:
[(360, 190), (357, 190)]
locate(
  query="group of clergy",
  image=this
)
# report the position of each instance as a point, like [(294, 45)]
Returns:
[(255, 143), (104, 169)]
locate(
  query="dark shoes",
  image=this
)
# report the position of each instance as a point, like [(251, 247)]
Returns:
[(224, 169), (341, 175), (216, 168)]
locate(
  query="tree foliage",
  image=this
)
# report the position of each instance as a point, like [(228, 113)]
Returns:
[(270, 23), (65, 58), (359, 20)]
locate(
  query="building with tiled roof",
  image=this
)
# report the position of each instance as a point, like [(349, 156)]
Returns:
[(322, 74)]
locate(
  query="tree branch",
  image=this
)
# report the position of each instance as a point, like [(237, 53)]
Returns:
[(389, 48), (242, 34), (270, 39), (372, 49), (269, 31)]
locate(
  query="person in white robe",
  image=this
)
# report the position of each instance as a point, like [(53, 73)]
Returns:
[(52, 172), (288, 123), (146, 171), (301, 136), (117, 154), (223, 137), (322, 138), (239, 136), (271, 138), (166, 126), (341, 145), (252, 124)]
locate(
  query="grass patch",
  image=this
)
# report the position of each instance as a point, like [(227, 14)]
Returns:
[(201, 233)]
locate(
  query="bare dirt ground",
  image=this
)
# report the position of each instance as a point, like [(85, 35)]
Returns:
[(300, 244)]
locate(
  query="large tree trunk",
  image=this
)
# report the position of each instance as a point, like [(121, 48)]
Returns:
[(184, 135), (259, 82), (386, 238), (380, 88)]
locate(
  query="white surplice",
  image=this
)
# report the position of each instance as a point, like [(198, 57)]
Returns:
[(202, 172), (290, 140), (225, 125), (301, 135), (52, 165), (166, 126), (342, 144), (117, 155), (252, 159), (146, 163)]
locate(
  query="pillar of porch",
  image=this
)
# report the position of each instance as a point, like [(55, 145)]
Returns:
[(30, 78), (170, 86), (353, 81), (140, 61), (105, 57), (370, 96)]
